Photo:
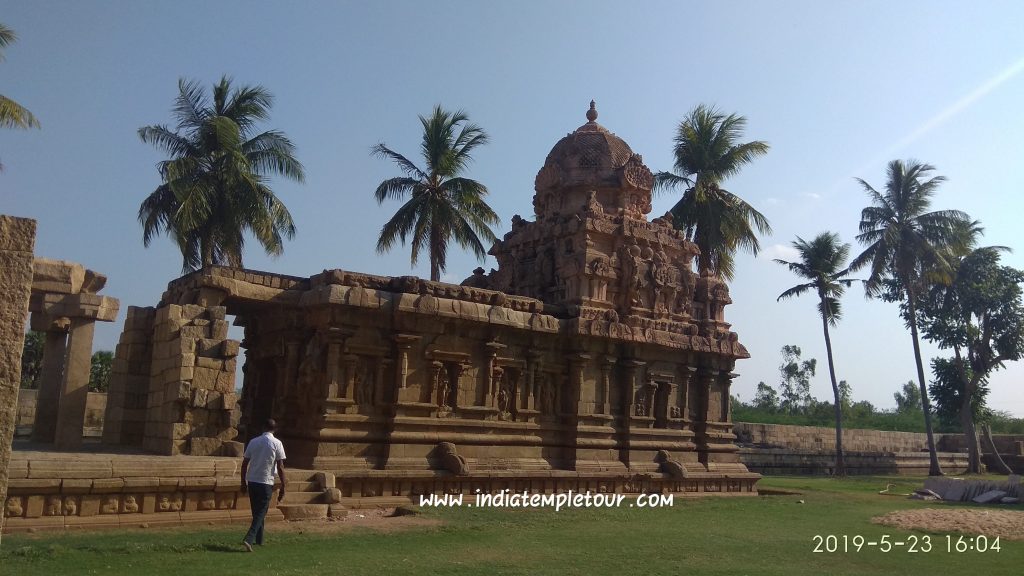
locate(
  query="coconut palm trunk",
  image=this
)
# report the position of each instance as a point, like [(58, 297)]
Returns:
[(934, 469), (840, 468)]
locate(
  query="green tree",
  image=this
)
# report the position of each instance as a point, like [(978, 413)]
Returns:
[(980, 317), (442, 204), (822, 262), (766, 398), (214, 186), (99, 372), (708, 151), (12, 114), (32, 359), (908, 246), (908, 400), (795, 382)]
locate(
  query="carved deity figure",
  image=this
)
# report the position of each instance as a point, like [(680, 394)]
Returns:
[(13, 508), (54, 506), (130, 505), (207, 501), (70, 506), (363, 384), (110, 505)]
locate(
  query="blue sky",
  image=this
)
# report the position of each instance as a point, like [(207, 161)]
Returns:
[(836, 88)]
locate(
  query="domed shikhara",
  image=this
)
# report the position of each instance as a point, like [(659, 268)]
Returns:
[(592, 159)]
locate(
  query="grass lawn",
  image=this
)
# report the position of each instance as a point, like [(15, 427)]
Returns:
[(764, 535)]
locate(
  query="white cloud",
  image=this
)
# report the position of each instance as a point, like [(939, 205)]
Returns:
[(780, 251), (813, 195)]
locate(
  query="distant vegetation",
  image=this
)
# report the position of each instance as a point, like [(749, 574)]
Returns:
[(791, 403)]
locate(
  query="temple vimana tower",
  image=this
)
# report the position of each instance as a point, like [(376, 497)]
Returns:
[(592, 358)]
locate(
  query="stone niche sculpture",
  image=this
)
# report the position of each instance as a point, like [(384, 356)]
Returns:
[(592, 347)]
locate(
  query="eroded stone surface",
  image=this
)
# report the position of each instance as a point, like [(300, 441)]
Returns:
[(17, 242)]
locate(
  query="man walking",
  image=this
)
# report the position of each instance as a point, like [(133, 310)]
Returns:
[(263, 456)]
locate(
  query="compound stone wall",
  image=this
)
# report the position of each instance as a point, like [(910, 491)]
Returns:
[(810, 438), (95, 407)]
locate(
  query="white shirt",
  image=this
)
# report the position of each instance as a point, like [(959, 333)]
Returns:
[(263, 453)]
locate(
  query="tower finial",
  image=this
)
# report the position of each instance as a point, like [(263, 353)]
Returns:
[(592, 113)]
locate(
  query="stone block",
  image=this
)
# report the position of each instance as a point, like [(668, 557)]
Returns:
[(70, 467), (230, 348), (89, 505), (225, 382), (57, 276), (180, 430), (211, 363), (204, 446), (34, 506), (204, 377), (107, 486), (76, 486), (141, 483), (232, 449), (194, 332), (219, 329)]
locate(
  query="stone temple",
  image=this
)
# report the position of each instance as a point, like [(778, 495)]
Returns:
[(593, 358)]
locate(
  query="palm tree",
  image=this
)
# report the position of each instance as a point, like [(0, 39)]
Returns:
[(707, 151), (821, 262), (908, 248), (442, 205), (215, 184), (12, 114)]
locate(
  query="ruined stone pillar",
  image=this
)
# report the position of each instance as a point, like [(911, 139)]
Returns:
[(17, 241), (51, 377), (74, 389)]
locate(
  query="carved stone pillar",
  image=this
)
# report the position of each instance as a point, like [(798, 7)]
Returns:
[(336, 338), (74, 391), (291, 366), (533, 361), (350, 362), (454, 375), (604, 396), (492, 384), (50, 379), (575, 400), (437, 384), (683, 392), (726, 379), (634, 370), (705, 379), (404, 342)]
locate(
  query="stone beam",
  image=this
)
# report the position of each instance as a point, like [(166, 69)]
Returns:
[(91, 306)]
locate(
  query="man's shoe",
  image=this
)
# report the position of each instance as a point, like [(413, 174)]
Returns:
[(248, 547)]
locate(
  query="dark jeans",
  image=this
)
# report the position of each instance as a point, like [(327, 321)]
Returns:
[(259, 498)]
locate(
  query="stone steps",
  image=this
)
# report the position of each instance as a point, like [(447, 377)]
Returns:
[(303, 511)]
